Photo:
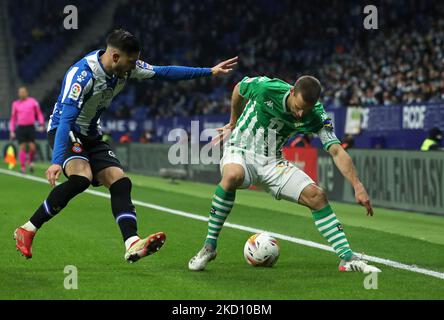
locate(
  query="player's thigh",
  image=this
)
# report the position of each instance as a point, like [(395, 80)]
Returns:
[(105, 166), (78, 167), (109, 175), (284, 180), (234, 170), (76, 157)]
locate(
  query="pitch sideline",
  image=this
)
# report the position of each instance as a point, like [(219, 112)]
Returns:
[(312, 244)]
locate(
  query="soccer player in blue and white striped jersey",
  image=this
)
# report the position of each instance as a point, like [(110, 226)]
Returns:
[(78, 149)]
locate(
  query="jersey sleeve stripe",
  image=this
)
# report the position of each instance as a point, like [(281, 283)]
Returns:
[(68, 82)]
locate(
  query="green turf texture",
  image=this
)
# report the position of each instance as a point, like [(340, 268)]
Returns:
[(85, 235)]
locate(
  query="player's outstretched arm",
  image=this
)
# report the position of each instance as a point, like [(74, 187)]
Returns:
[(345, 164), (224, 67), (144, 70)]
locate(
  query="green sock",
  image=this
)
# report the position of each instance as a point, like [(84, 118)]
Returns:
[(221, 206), (331, 229)]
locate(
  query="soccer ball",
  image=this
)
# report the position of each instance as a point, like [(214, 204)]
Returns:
[(261, 250)]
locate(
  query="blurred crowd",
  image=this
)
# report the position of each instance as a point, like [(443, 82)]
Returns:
[(401, 62), (38, 32)]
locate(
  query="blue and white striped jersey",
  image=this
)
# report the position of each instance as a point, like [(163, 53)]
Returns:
[(87, 90)]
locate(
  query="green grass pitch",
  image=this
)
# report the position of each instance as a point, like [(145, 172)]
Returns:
[(86, 236)]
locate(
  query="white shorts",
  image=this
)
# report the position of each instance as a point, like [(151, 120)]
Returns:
[(279, 177)]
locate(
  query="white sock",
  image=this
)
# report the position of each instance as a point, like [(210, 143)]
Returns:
[(130, 241), (28, 226)]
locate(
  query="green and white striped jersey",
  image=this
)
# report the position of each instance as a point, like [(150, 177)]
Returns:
[(265, 124)]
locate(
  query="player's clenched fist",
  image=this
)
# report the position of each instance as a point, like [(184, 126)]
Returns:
[(53, 173)]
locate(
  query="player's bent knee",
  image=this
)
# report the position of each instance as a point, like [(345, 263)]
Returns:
[(63, 193), (313, 197), (80, 183), (78, 167), (110, 175), (124, 184), (232, 180), (87, 174)]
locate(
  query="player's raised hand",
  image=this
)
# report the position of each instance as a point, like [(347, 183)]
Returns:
[(53, 173), (223, 134), (363, 199), (224, 67)]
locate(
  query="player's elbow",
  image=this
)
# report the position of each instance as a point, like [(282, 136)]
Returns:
[(236, 89), (335, 150), (236, 94)]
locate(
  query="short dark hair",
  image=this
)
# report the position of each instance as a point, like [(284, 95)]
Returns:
[(123, 40), (309, 87)]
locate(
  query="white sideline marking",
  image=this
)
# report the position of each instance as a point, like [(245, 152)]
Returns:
[(303, 242)]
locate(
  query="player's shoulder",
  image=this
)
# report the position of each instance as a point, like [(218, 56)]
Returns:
[(85, 67), (80, 73), (319, 110), (33, 100), (278, 86), (265, 84), (257, 80), (322, 116)]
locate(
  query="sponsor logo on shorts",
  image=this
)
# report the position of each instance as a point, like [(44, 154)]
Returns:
[(340, 228), (111, 154), (77, 148)]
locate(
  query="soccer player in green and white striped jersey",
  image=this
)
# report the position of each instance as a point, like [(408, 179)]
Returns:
[(265, 113)]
